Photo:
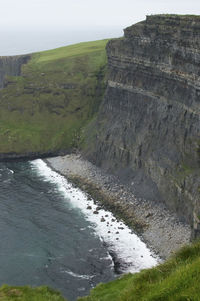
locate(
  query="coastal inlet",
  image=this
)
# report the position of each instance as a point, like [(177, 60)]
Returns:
[(53, 234)]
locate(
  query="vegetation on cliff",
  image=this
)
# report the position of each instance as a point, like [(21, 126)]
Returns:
[(57, 94)]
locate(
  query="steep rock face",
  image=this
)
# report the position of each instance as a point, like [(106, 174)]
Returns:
[(11, 66), (148, 128)]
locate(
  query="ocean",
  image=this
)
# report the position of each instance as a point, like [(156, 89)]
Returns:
[(49, 237)]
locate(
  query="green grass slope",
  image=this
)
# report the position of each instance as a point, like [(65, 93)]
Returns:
[(26, 293), (178, 279), (58, 93)]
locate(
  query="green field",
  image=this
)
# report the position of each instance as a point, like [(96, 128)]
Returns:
[(58, 93)]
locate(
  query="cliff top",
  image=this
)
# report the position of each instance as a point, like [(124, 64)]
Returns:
[(164, 17), (179, 20), (169, 25)]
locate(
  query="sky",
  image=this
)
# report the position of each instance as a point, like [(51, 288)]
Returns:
[(84, 19), (63, 13)]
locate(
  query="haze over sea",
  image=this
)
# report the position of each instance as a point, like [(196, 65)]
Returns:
[(48, 236), (27, 41)]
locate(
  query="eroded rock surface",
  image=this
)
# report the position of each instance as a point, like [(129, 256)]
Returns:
[(11, 66), (148, 128)]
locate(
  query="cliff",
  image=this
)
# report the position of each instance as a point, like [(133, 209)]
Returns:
[(11, 66), (148, 127), (147, 130)]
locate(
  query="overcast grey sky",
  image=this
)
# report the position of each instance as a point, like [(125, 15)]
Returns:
[(34, 25), (44, 14)]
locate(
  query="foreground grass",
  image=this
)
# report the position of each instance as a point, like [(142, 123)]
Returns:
[(176, 279), (27, 293), (58, 93)]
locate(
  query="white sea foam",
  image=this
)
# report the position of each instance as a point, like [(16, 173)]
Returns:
[(118, 237), (88, 277)]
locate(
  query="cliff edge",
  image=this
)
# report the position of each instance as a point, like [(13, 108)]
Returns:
[(148, 127)]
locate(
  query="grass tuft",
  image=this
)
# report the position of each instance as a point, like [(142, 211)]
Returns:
[(27, 293)]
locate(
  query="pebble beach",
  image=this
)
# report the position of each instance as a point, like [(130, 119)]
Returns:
[(160, 229)]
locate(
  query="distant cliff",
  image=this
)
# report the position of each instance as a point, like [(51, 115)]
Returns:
[(48, 98), (11, 66), (148, 127)]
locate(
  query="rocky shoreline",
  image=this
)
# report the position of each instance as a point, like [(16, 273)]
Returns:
[(160, 229)]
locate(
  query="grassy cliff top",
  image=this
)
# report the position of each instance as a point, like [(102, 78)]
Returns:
[(58, 93)]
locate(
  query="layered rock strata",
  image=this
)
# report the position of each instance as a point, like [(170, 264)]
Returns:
[(11, 66), (148, 127)]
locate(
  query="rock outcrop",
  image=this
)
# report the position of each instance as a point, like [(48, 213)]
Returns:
[(11, 66), (148, 127)]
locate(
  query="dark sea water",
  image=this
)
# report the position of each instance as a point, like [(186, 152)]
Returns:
[(48, 237), (44, 240)]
